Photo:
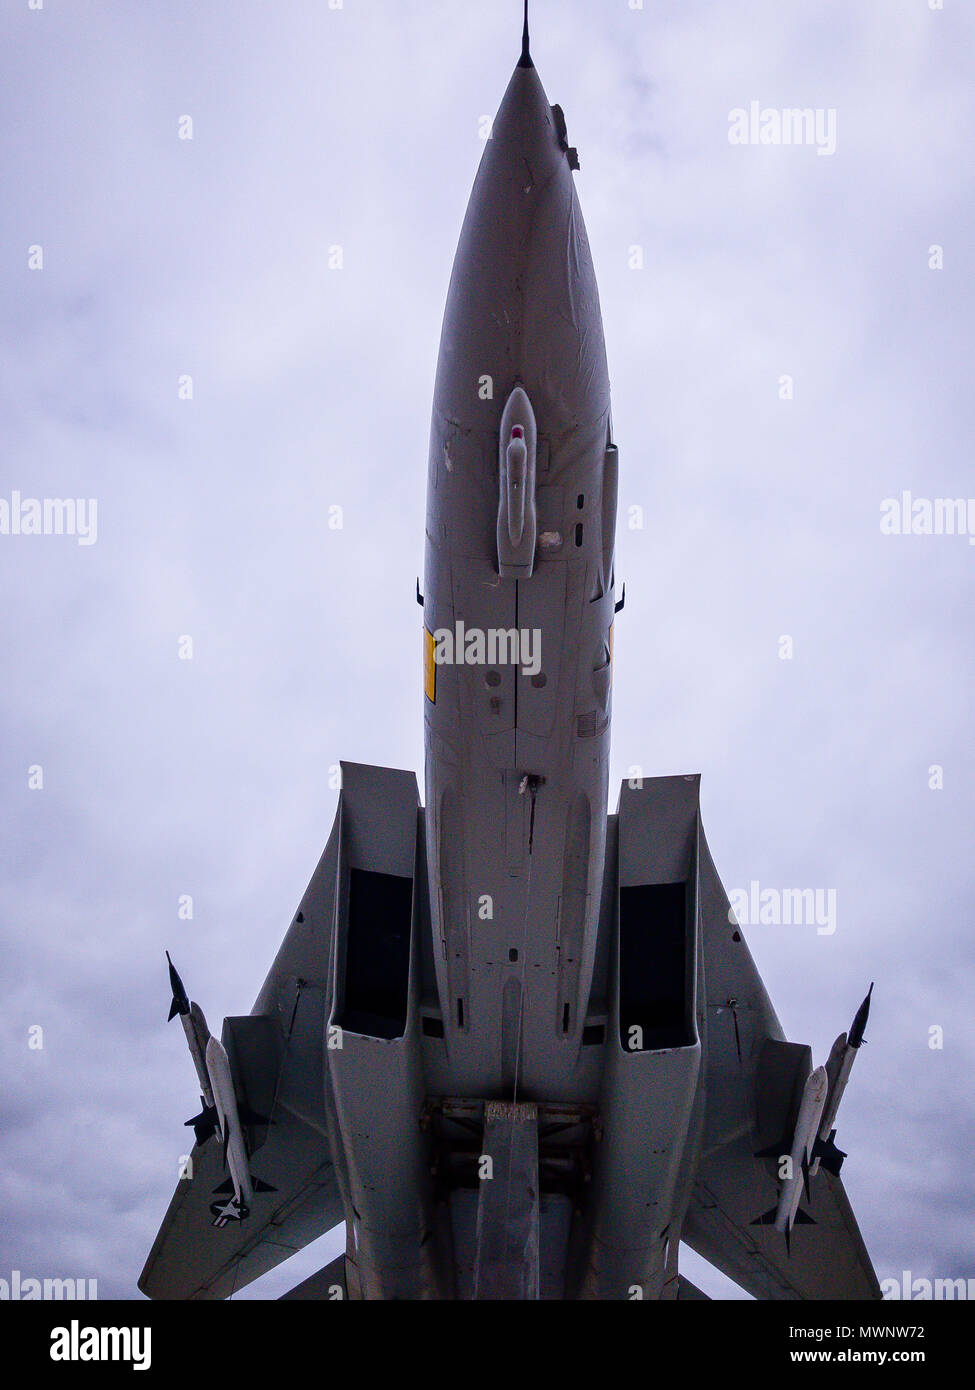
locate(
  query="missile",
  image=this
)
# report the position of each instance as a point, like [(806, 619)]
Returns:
[(197, 1035), (838, 1068), (786, 1213), (803, 1141), (240, 1186), (231, 1136), (220, 1113)]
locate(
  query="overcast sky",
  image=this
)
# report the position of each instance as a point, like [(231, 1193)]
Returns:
[(209, 257)]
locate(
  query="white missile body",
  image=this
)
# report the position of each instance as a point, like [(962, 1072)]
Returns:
[(806, 1132), (195, 1028), (228, 1119), (197, 1036), (838, 1067)]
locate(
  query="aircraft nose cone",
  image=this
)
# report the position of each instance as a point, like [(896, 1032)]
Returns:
[(524, 143), (523, 307)]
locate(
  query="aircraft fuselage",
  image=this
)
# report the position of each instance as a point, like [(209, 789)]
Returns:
[(517, 748)]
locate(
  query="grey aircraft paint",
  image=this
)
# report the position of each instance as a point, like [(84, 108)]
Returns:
[(518, 1045), (516, 763)]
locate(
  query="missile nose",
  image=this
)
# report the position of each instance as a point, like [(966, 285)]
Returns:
[(181, 1003), (856, 1038)]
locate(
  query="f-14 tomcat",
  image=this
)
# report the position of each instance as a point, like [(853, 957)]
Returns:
[(516, 1044)]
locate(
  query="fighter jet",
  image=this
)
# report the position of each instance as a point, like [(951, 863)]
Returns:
[(517, 1044)]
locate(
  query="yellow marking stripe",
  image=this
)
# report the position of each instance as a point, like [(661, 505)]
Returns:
[(429, 668)]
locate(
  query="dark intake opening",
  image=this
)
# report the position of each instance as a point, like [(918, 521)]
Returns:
[(377, 961), (653, 967)]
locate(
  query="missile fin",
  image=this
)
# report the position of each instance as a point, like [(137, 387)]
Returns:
[(205, 1123), (828, 1154)]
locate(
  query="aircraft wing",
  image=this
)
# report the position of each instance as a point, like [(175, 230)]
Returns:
[(825, 1260), (732, 1187), (277, 1055)]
